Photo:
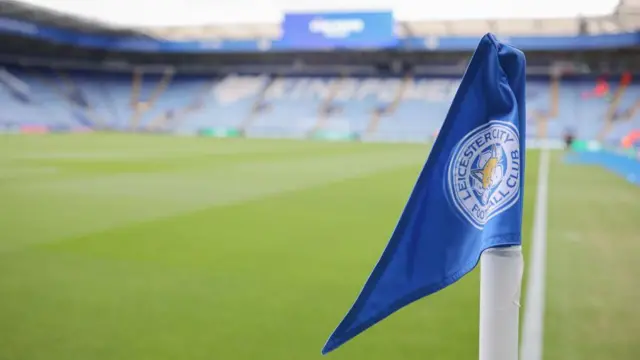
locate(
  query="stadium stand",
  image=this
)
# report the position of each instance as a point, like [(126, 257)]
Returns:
[(251, 90)]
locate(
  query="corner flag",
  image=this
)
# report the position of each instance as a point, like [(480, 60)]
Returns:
[(468, 197)]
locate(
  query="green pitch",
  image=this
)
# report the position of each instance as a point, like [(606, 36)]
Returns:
[(143, 247)]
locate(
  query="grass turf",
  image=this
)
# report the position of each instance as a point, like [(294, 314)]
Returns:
[(593, 265), (143, 247)]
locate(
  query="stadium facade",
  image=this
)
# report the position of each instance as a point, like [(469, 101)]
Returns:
[(351, 76)]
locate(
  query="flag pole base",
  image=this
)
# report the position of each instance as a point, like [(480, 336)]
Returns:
[(500, 282)]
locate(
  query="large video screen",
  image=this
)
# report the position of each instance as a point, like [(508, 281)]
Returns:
[(338, 30)]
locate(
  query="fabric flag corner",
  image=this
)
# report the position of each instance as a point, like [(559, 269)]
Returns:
[(468, 196)]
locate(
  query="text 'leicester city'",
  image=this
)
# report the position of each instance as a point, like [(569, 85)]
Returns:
[(484, 172)]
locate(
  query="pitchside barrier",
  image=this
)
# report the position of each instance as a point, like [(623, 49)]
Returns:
[(273, 133), (622, 162)]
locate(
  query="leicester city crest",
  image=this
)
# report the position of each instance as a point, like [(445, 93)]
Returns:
[(484, 172)]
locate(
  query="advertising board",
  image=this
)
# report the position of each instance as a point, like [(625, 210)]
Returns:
[(359, 30)]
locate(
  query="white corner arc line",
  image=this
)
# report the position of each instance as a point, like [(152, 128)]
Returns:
[(533, 322)]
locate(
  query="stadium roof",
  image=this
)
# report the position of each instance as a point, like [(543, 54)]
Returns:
[(504, 27), (614, 23), (23, 11)]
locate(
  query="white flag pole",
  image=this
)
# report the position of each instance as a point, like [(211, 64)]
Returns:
[(500, 281)]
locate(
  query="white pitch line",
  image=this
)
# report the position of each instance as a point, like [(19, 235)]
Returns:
[(532, 327)]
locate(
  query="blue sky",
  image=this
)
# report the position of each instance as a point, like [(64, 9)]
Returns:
[(196, 12)]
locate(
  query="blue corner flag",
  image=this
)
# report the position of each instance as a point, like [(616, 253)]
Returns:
[(468, 197)]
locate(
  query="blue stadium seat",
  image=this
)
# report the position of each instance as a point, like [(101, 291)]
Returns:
[(389, 109), (289, 107)]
